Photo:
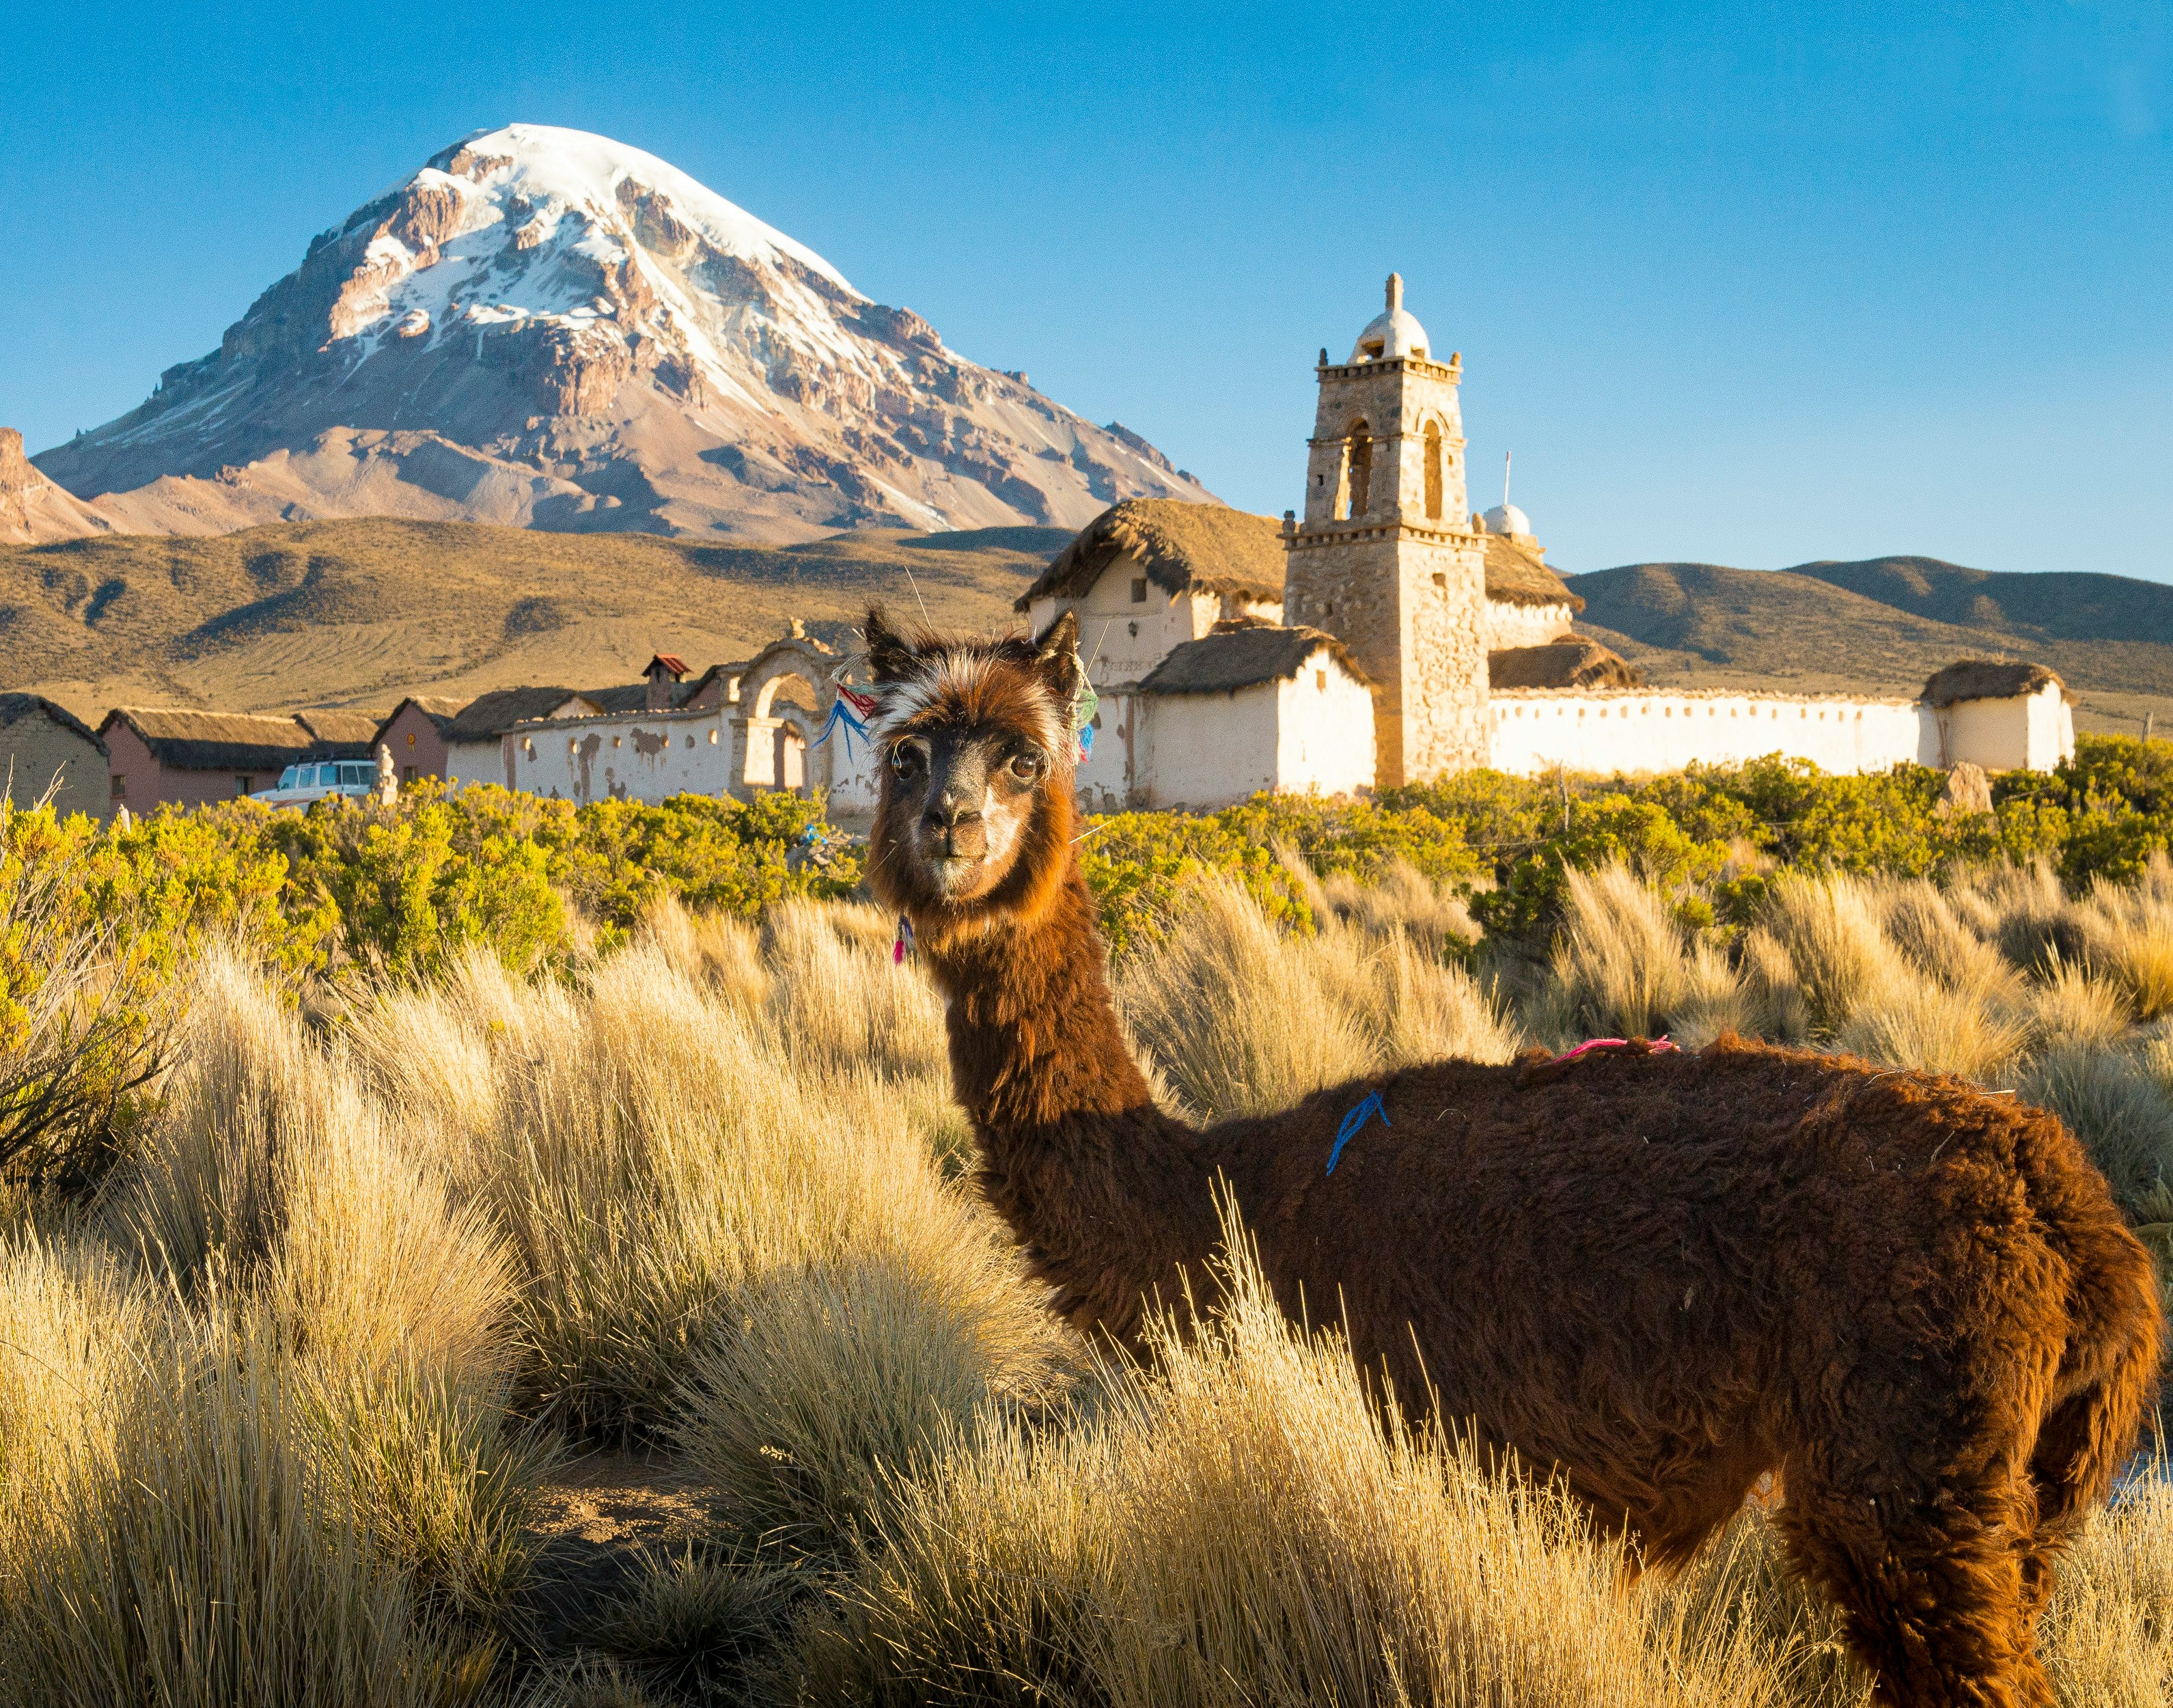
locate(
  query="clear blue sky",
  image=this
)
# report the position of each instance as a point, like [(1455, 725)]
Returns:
[(1746, 284)]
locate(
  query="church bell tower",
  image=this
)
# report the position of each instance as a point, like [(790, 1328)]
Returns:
[(1386, 559)]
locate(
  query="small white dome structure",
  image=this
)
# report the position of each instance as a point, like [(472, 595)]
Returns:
[(1393, 332), (1507, 519)]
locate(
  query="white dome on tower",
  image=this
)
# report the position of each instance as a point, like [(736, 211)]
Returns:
[(1394, 332), (1507, 519)]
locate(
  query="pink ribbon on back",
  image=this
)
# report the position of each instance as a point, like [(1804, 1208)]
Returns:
[(1610, 1043)]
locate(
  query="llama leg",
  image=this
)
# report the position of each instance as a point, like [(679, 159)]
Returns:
[(1931, 1588)]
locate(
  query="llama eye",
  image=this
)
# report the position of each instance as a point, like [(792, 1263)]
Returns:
[(1027, 767), (902, 759)]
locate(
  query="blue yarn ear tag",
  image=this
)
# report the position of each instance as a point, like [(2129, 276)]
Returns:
[(1369, 1107), (842, 716), (1084, 705)]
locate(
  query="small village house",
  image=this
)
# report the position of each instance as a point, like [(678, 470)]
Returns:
[(415, 735), (44, 747), (190, 758)]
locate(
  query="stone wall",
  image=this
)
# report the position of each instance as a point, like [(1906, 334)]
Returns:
[(1411, 605)]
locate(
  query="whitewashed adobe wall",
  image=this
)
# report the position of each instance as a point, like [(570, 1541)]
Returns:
[(1311, 732), (479, 762), (1123, 638), (1525, 625), (2031, 732), (1327, 730), (1535, 731), (647, 756)]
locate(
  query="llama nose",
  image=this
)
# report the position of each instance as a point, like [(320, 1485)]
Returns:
[(948, 810)]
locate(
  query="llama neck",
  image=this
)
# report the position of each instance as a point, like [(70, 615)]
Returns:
[(1110, 1197)]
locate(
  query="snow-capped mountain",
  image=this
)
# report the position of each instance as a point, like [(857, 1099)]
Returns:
[(546, 328)]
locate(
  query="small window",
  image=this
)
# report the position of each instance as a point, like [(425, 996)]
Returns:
[(616, 739), (1138, 589), (1440, 580), (120, 787), (690, 741), (240, 784), (1320, 680), (407, 773), (713, 738)]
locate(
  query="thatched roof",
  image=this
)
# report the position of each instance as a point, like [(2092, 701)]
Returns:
[(15, 708), (215, 740), (1575, 663), (439, 711), (1183, 548), (1236, 658), (488, 716), (1988, 679), (1215, 549), (341, 734), (1515, 576)]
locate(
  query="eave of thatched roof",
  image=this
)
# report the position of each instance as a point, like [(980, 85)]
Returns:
[(1242, 658), (1209, 548), (440, 712), (1988, 679), (488, 716), (15, 708), (1515, 576), (340, 734), (214, 740), (1575, 663)]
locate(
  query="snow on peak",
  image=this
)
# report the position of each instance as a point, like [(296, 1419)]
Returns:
[(550, 166)]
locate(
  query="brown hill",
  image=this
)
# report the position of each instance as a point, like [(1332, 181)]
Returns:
[(1887, 623), (360, 613)]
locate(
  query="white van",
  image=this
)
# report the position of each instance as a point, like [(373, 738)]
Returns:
[(318, 779)]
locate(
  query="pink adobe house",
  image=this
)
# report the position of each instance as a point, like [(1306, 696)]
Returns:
[(182, 758), (416, 734)]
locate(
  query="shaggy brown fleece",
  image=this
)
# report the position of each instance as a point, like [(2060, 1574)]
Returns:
[(1658, 1274)]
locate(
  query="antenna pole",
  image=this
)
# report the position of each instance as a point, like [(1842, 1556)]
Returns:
[(1506, 455)]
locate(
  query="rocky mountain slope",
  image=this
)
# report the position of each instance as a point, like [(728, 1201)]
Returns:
[(33, 510), (545, 329), (1884, 623)]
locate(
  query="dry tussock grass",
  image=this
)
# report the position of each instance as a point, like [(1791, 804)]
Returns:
[(309, 1351), (1239, 1524)]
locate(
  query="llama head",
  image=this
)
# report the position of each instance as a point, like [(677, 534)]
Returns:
[(974, 748)]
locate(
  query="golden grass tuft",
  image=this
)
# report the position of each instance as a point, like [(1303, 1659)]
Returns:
[(1240, 1523)]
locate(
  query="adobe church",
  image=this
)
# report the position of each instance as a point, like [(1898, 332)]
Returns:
[(1390, 635)]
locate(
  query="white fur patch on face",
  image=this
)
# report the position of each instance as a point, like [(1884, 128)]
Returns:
[(955, 671)]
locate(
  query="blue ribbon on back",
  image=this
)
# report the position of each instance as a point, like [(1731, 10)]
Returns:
[(843, 714), (1367, 1109)]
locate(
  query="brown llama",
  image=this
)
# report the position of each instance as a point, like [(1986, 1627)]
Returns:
[(1656, 1274)]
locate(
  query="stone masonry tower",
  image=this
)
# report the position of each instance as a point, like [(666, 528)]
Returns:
[(1386, 559)]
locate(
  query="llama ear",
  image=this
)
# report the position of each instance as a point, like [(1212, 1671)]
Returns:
[(891, 655), (1056, 656)]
